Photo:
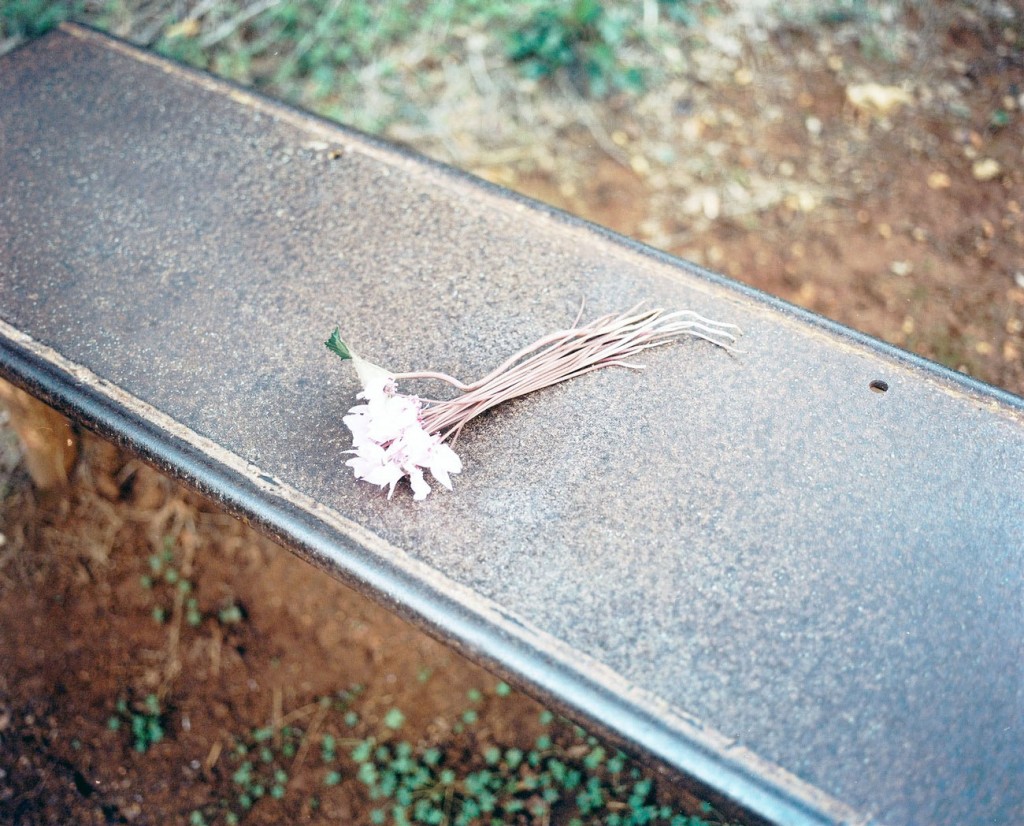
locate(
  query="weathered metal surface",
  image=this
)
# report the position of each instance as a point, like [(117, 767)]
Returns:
[(804, 594)]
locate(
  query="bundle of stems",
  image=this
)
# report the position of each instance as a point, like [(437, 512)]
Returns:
[(607, 341)]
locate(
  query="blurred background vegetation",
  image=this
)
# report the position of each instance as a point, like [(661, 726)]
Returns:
[(360, 61)]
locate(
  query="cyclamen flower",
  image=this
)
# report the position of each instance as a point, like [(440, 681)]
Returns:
[(394, 435), (389, 441)]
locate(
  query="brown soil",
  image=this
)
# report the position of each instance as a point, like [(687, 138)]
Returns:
[(79, 633), (886, 223), (897, 224)]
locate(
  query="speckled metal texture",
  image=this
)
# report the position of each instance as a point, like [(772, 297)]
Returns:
[(805, 595)]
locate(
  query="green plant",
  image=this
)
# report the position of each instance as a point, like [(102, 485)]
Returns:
[(474, 780), (583, 40), (31, 18), (144, 720), (230, 614), (845, 11), (172, 593), (468, 778), (168, 587), (181, 47), (263, 761)]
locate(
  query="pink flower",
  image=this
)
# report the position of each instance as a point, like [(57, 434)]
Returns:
[(393, 436), (389, 441)]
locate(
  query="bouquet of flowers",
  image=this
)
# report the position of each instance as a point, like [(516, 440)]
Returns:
[(396, 435)]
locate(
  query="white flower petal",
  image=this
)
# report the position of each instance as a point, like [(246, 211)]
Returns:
[(417, 445), (389, 442), (372, 377), (447, 458), (420, 488), (391, 415), (442, 476), (359, 426)]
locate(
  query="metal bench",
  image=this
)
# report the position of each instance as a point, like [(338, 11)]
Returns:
[(793, 574)]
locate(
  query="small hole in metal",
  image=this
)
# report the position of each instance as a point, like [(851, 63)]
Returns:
[(879, 386)]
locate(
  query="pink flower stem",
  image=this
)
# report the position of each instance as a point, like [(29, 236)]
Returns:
[(566, 354)]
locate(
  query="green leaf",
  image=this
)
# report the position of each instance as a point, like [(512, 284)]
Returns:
[(394, 719), (336, 345), (588, 12), (593, 760)]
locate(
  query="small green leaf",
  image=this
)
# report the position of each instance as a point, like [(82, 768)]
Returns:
[(243, 775), (394, 719), (361, 753), (336, 345), (593, 760)]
